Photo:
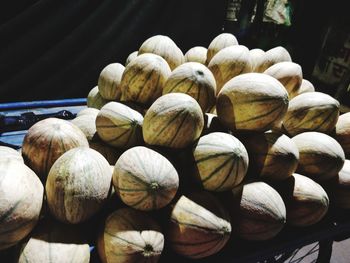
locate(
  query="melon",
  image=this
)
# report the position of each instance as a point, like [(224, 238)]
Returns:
[(88, 111), (342, 132), (199, 226), (174, 120), (320, 156), (258, 60), (220, 42), (289, 74), (7, 153), (276, 55), (94, 99), (307, 204), (131, 57), (52, 242), (221, 161), (130, 236), (273, 155), (78, 184), (109, 81), (21, 199), (47, 140), (340, 192), (145, 179), (110, 153), (252, 102), (165, 47), (86, 123), (228, 63), (196, 54), (144, 78), (306, 86), (195, 80), (119, 126), (260, 213), (312, 111)]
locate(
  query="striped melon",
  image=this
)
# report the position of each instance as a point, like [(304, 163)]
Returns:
[(308, 202), (130, 236), (273, 155), (88, 111), (342, 132), (144, 179), (221, 161), (7, 153), (212, 124), (47, 140), (220, 42), (165, 47), (261, 213), (78, 184), (52, 242), (143, 79), (21, 198), (195, 80), (95, 100), (320, 156), (258, 60), (131, 57), (306, 86), (174, 120), (196, 54), (109, 81), (289, 74), (119, 126), (199, 226), (340, 192), (276, 55), (86, 123), (252, 102), (228, 63), (312, 111)]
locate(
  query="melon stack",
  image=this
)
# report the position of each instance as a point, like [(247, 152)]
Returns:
[(218, 143)]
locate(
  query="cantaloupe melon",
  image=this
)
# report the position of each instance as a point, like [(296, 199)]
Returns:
[(88, 111), (196, 54), (131, 57), (87, 124), (94, 99), (340, 191), (220, 42), (258, 60), (276, 55), (7, 153), (306, 86), (342, 132), (109, 81)]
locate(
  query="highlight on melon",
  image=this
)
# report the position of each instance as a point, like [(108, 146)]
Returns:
[(276, 55), (47, 140), (94, 99), (220, 42), (129, 235), (131, 57), (221, 161), (175, 120), (88, 111), (252, 102), (8, 153), (196, 80), (109, 81), (306, 86), (342, 132), (144, 179), (144, 78), (199, 226), (21, 195), (258, 60), (78, 184), (196, 54)]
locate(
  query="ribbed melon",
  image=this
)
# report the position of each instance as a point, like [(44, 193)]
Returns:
[(199, 226), (220, 42), (276, 55), (221, 161), (306, 86), (78, 184), (228, 63), (196, 54), (174, 120), (258, 60), (7, 153), (88, 111), (307, 204), (109, 81), (52, 242), (87, 124), (261, 213), (342, 132), (21, 198), (340, 191), (95, 100), (144, 78), (165, 47), (130, 236), (273, 155), (119, 126), (252, 102), (47, 140), (144, 179), (131, 57), (320, 156), (196, 80), (289, 74), (312, 111)]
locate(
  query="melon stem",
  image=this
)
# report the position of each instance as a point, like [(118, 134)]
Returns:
[(148, 250), (154, 186)]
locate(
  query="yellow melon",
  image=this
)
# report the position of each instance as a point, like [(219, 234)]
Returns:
[(131, 57), (95, 100), (109, 81)]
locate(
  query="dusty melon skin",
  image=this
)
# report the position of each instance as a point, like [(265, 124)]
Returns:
[(9, 153), (109, 81), (130, 236), (175, 120), (220, 42)]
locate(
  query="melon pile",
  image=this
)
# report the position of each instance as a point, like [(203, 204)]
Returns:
[(180, 152)]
